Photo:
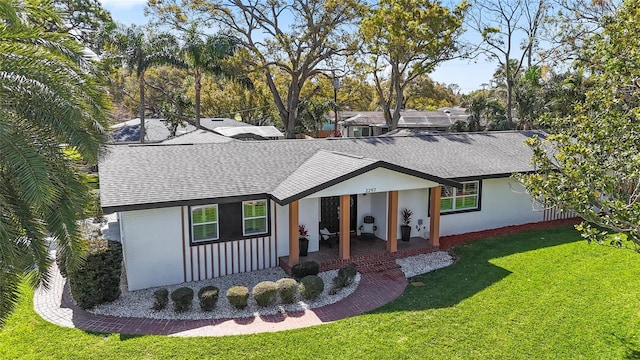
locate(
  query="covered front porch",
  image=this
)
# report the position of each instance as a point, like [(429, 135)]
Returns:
[(363, 251), (351, 248), (362, 187)]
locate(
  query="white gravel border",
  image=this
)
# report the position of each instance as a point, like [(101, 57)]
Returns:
[(138, 303), (424, 263)]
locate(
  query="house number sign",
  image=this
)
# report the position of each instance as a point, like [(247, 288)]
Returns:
[(369, 190)]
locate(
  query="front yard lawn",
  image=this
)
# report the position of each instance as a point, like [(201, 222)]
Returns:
[(539, 294)]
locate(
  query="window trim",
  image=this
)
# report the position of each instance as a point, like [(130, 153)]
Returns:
[(223, 235), (265, 217), (465, 210), (192, 223)]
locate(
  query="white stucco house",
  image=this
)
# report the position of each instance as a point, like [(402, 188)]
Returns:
[(198, 211)]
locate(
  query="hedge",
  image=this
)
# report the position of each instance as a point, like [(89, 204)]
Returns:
[(97, 281)]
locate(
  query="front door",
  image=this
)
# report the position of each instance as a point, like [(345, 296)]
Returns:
[(330, 212)]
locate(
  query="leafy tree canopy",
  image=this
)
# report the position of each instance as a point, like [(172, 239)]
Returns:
[(295, 40), (590, 162), (49, 96), (409, 38)]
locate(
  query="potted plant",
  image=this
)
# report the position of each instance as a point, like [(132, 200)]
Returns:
[(304, 242), (405, 228)]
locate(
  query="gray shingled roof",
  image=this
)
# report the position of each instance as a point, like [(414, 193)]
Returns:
[(212, 123), (140, 176), (263, 132), (198, 137), (321, 168)]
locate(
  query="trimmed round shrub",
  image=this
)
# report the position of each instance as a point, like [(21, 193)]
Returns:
[(311, 287), (208, 297), (287, 288), (97, 280), (265, 293), (161, 297), (339, 282), (238, 296), (182, 298), (305, 269), (348, 273)]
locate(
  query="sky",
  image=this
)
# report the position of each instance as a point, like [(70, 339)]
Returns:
[(468, 75)]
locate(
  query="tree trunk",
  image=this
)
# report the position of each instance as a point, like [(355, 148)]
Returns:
[(198, 86), (142, 125), (399, 96), (290, 126), (293, 101), (282, 111), (509, 101)]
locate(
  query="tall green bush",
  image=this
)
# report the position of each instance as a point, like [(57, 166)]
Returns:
[(97, 281)]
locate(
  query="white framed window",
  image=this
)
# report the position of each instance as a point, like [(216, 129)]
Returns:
[(204, 223), (254, 217), (454, 199)]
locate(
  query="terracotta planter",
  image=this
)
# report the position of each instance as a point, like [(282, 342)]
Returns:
[(304, 246), (405, 231)]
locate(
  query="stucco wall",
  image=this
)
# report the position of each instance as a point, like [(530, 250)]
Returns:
[(282, 221), (379, 211), (376, 181), (152, 247), (157, 250), (504, 202), (309, 215), (418, 202)]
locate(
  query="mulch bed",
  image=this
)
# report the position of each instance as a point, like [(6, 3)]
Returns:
[(447, 242)]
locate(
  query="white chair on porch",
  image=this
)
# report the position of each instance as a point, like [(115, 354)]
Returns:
[(328, 237), (368, 228)]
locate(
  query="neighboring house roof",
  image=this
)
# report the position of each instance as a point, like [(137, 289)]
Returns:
[(155, 130), (198, 137), (408, 132), (365, 118), (429, 119), (213, 123), (259, 132), (148, 176), (441, 118)]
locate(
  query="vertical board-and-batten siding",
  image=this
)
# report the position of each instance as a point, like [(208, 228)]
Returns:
[(209, 261), (552, 213), (157, 251)]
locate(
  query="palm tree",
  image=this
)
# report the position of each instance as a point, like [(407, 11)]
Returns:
[(138, 52), (49, 96), (206, 56)]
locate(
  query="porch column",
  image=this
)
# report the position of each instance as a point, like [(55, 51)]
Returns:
[(392, 222), (434, 222), (294, 243), (345, 228)]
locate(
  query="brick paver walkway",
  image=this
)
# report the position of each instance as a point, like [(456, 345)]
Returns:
[(377, 287)]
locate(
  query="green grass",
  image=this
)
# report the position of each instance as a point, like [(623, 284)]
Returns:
[(541, 294)]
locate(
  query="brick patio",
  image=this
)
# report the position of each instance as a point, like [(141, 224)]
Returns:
[(364, 253)]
